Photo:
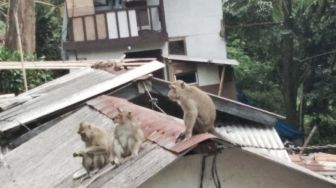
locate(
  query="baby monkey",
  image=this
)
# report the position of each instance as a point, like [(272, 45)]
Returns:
[(128, 136)]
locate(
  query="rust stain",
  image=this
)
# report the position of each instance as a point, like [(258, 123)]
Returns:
[(159, 128)]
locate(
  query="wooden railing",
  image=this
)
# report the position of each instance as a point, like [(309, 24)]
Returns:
[(118, 24)]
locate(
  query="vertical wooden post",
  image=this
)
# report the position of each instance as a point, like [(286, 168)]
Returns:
[(308, 139), (20, 46), (221, 81)]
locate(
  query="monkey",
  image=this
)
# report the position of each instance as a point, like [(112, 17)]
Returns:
[(116, 65), (91, 161), (128, 136), (199, 111), (98, 146)]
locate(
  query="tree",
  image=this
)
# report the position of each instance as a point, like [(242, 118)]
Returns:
[(288, 67), (24, 11), (287, 47)]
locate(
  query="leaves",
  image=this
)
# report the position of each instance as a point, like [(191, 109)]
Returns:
[(11, 80), (258, 50)]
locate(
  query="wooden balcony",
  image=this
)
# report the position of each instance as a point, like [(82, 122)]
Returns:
[(117, 28)]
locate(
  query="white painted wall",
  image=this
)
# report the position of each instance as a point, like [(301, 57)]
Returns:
[(207, 74), (198, 21), (236, 169)]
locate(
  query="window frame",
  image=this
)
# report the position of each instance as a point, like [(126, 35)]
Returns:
[(178, 40)]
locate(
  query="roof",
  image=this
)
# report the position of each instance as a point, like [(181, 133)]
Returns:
[(67, 91), (255, 135), (157, 127), (322, 163), (202, 60), (30, 164)]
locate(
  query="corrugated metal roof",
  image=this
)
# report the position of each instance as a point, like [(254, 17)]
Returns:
[(159, 128), (68, 91), (322, 163), (255, 135), (202, 60), (46, 160)]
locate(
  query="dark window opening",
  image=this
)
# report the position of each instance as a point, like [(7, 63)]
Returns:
[(177, 47), (149, 54), (187, 77), (98, 3), (145, 54)]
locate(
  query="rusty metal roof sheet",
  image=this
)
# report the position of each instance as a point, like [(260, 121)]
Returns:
[(322, 163), (159, 128), (68, 91)]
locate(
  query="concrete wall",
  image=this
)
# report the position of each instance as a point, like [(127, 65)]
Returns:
[(236, 169), (197, 21)]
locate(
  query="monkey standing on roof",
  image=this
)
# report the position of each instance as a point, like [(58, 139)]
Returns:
[(199, 111)]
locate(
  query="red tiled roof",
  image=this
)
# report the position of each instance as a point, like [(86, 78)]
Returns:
[(159, 128)]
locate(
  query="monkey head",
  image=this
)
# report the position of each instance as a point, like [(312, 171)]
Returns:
[(123, 116), (85, 131), (176, 89)]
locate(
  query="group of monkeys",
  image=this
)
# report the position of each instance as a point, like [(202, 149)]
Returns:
[(199, 114)]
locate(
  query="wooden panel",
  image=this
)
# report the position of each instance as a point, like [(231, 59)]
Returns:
[(79, 7), (101, 26), (133, 23), (156, 19), (78, 31), (112, 25), (90, 28), (123, 24)]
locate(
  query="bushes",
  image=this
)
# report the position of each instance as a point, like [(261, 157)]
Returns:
[(11, 81)]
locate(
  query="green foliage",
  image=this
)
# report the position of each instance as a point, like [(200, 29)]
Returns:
[(48, 31), (257, 47), (11, 80), (256, 80)]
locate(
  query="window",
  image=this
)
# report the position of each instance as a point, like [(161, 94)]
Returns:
[(98, 3), (177, 47), (187, 77)]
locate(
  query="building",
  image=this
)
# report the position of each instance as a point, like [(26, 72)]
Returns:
[(184, 34), (42, 133)]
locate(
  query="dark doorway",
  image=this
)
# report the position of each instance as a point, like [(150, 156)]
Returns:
[(149, 54)]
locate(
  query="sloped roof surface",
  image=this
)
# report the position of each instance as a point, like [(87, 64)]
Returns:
[(68, 91), (260, 136), (46, 160), (322, 163), (159, 128)]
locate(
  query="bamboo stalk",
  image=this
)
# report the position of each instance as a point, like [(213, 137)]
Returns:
[(20, 46)]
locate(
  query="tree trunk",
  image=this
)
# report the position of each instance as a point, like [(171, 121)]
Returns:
[(26, 18), (289, 67)]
